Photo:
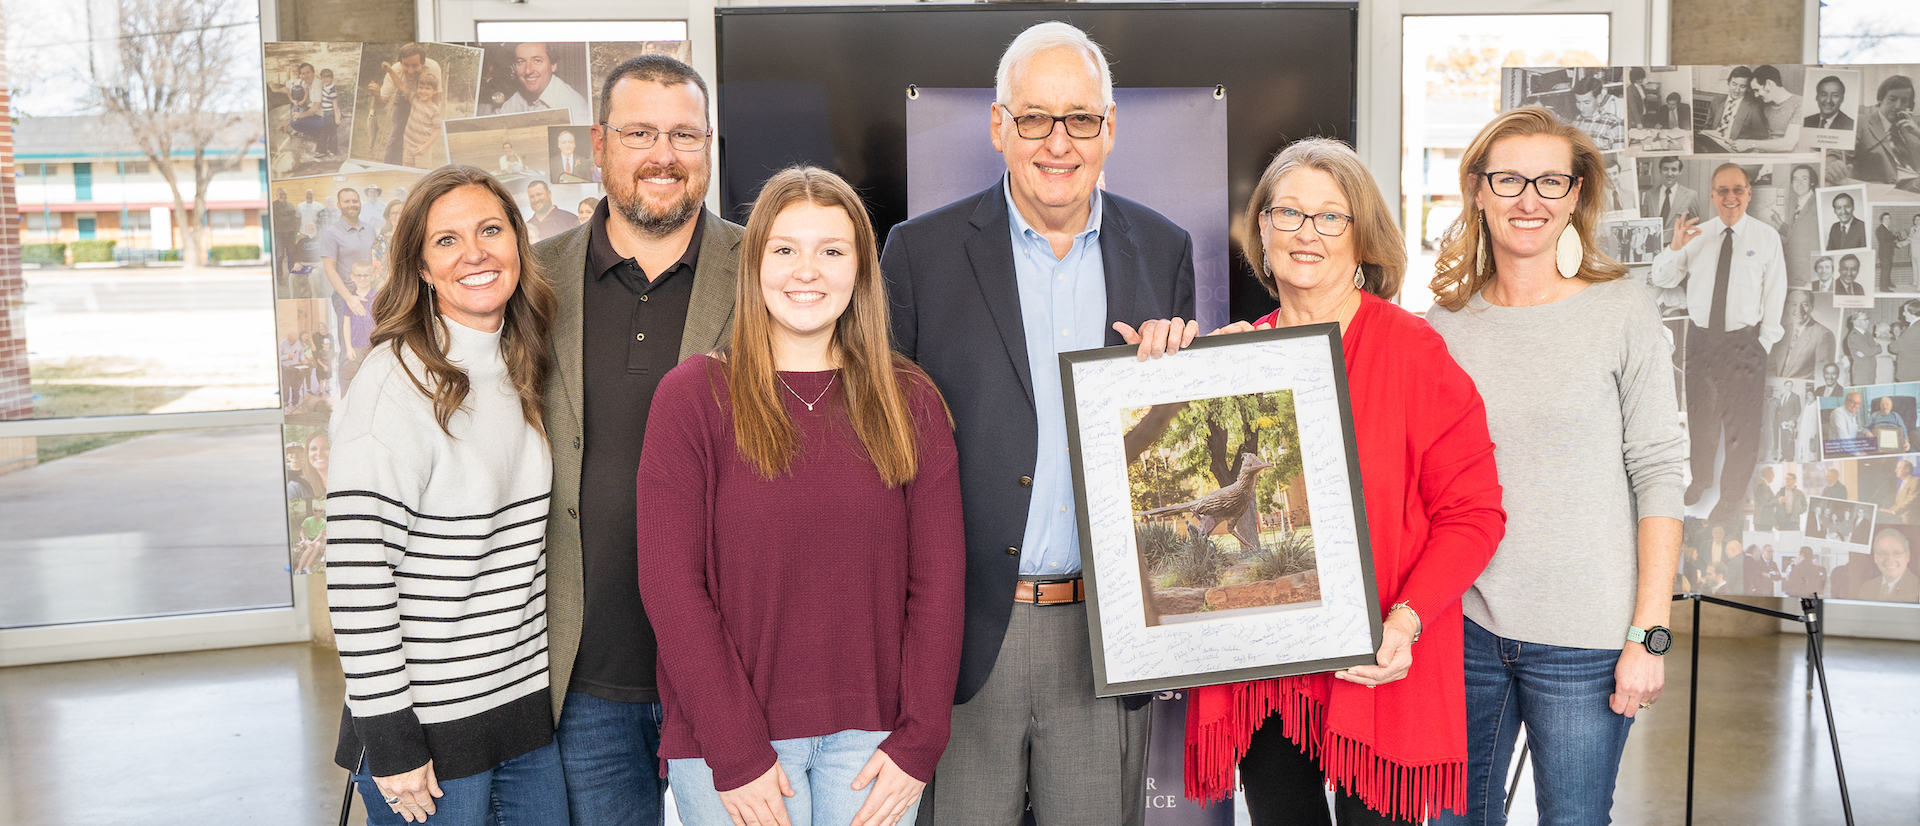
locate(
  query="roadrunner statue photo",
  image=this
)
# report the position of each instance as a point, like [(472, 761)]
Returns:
[(1230, 504)]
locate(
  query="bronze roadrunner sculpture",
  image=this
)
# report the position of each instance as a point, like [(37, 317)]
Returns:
[(1228, 504)]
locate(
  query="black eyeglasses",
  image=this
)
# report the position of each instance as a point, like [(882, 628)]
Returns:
[(1037, 127), (1552, 186), (640, 137), (1288, 219)]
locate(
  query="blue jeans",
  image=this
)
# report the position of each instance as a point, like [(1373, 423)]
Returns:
[(820, 769), (520, 791), (1574, 738), (611, 751)]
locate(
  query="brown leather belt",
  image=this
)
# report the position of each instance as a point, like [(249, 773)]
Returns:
[(1050, 591)]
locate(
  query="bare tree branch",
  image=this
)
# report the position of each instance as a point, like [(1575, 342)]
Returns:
[(170, 88)]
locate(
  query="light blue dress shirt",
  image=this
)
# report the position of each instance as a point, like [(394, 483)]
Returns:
[(1063, 307)]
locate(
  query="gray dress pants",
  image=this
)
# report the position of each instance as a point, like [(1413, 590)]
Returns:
[(1035, 727)]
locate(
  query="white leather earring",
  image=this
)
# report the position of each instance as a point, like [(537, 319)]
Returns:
[(1570, 253), (1480, 249)]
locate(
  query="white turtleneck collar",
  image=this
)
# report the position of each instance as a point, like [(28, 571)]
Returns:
[(476, 351)]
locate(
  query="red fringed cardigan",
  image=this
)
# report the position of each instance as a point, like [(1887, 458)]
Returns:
[(1434, 515)]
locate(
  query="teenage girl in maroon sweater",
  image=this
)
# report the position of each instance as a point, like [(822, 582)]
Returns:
[(800, 539)]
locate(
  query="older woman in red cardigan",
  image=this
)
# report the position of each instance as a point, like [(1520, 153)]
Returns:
[(1390, 737)]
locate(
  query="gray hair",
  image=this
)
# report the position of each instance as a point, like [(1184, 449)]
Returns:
[(1045, 37)]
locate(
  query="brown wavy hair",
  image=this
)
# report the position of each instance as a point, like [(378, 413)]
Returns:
[(1458, 275), (1376, 239), (404, 313), (872, 377)]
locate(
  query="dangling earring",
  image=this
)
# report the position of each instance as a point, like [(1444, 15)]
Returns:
[(1359, 278), (1570, 253), (1480, 249)]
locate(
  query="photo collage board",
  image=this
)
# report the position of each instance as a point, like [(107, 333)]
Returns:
[(351, 127), (1803, 449)]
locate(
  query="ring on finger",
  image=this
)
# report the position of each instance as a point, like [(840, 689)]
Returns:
[(1645, 704)]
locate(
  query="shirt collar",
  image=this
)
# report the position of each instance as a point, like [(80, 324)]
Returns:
[(602, 259), (1739, 227), (1021, 228)]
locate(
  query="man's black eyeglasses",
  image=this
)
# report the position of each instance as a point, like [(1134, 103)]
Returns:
[(1036, 127)]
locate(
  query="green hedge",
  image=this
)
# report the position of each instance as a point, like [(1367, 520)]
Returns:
[(92, 251), (169, 255), (46, 255), (234, 252)]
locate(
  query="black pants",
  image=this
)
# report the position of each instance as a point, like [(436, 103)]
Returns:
[(1286, 788), (1726, 384)]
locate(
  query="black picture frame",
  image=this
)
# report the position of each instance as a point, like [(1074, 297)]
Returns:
[(1307, 362)]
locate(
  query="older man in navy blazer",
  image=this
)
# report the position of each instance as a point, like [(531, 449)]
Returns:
[(986, 292)]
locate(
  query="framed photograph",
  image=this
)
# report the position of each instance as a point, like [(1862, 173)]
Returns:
[(1222, 529)]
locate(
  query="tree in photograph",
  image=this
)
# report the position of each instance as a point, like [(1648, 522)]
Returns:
[(168, 80), (1182, 452)]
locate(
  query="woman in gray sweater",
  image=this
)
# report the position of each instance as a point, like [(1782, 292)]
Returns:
[(1564, 628)]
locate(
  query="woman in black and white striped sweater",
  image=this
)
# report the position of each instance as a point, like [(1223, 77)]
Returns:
[(436, 560)]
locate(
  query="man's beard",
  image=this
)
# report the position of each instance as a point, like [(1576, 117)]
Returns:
[(662, 222)]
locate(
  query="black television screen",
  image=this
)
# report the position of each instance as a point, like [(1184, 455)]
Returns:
[(827, 85)]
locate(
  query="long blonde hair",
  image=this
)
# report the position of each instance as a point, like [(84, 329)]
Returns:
[(404, 312), (1376, 239), (871, 374), (1462, 270)]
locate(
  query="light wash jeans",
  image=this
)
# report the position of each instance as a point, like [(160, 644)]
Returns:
[(820, 769), (1575, 739)]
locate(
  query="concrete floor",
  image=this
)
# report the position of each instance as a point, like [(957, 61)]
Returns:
[(246, 735)]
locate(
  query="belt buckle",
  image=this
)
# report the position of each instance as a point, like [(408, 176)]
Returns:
[(1039, 583)]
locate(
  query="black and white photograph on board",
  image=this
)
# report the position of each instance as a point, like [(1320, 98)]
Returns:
[(1789, 422), (1784, 197), (1836, 520), (1895, 231), (1587, 97), (1886, 138), (1804, 343), (1748, 108), (1843, 211), (1833, 110), (1665, 193), (1659, 111), (1632, 242), (1851, 288), (1623, 188)]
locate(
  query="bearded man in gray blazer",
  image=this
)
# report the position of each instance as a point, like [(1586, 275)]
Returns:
[(646, 283)]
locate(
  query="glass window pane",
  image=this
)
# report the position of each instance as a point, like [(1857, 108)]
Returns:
[(128, 525), (1451, 80), (116, 322), (1869, 31), (141, 339)]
